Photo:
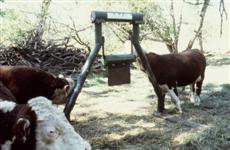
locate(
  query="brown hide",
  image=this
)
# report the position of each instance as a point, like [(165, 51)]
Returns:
[(178, 69), (26, 83), (5, 93)]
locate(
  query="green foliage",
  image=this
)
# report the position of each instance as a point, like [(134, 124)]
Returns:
[(14, 27), (2, 13), (155, 20)]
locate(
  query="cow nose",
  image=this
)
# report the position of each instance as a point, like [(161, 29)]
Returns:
[(24, 139)]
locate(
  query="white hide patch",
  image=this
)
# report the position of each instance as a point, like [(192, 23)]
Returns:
[(165, 88), (54, 132), (198, 79), (192, 97), (7, 106), (197, 100), (6, 145), (71, 83), (173, 95)]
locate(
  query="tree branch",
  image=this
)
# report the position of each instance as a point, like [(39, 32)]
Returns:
[(222, 11), (179, 26), (117, 35), (39, 31), (191, 3), (202, 15), (174, 28), (78, 38), (154, 39)]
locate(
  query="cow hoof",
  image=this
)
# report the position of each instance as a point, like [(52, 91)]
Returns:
[(157, 114), (180, 111), (192, 99), (197, 104), (197, 101)]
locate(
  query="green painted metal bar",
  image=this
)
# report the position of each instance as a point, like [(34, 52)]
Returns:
[(101, 16), (147, 67), (85, 71)]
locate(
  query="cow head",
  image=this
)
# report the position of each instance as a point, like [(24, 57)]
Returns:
[(59, 135), (22, 129), (63, 87), (60, 95), (48, 132), (53, 131)]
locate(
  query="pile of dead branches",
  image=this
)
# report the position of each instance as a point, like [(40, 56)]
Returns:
[(56, 55), (68, 59)]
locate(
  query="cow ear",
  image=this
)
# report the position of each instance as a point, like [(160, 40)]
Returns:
[(21, 129), (61, 76), (67, 88), (25, 123)]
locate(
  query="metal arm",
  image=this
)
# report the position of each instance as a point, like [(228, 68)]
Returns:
[(85, 71), (147, 67)]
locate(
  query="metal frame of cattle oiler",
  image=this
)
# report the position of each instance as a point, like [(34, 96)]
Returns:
[(98, 18)]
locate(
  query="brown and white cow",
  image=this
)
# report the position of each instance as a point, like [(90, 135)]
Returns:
[(181, 69), (25, 83), (17, 126), (37, 125)]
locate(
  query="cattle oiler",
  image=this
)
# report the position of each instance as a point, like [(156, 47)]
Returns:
[(98, 18)]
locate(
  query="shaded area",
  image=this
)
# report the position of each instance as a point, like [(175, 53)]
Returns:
[(121, 117), (218, 60)]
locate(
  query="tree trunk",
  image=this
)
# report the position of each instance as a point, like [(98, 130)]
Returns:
[(199, 30), (201, 42), (222, 11), (36, 38)]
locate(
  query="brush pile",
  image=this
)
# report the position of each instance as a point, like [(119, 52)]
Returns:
[(68, 59)]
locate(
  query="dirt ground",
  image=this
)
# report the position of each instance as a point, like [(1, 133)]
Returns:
[(121, 117)]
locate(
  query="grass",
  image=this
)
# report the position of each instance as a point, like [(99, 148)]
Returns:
[(121, 117)]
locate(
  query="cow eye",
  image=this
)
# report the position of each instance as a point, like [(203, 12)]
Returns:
[(51, 131)]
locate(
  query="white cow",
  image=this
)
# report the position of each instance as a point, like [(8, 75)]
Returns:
[(53, 131)]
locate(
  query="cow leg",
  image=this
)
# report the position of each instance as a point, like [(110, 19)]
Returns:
[(197, 88), (173, 96), (198, 91), (7, 145), (175, 90), (192, 90)]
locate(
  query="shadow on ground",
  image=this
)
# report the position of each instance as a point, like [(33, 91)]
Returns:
[(213, 60), (121, 117), (139, 129)]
